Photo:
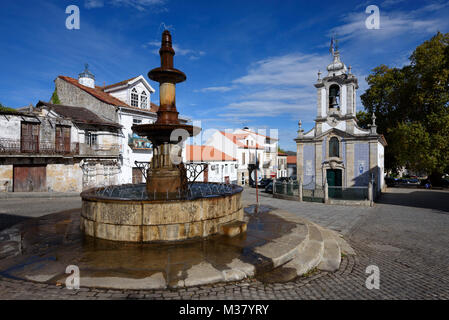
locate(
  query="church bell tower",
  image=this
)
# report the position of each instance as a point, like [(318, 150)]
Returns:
[(336, 93)]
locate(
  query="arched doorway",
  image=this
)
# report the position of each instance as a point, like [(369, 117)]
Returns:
[(334, 177), (334, 181)]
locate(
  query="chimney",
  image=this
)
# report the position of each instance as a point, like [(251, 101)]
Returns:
[(86, 78)]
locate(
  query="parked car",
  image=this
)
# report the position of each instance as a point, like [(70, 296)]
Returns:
[(262, 183), (413, 181), (269, 187), (391, 182)]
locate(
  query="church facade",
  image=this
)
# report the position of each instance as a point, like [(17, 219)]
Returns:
[(336, 149)]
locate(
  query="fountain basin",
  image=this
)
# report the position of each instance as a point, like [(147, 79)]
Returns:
[(114, 217)]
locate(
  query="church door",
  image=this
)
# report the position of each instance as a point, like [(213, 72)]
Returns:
[(334, 179)]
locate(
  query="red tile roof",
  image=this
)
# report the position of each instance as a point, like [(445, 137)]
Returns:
[(235, 139), (78, 114), (260, 134), (291, 159), (206, 153), (117, 84), (98, 93)]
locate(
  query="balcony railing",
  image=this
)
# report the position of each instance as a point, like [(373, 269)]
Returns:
[(48, 147)]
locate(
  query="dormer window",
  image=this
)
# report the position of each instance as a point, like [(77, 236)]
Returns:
[(334, 147), (143, 100), (134, 98)]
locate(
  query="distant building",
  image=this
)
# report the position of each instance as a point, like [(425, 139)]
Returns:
[(337, 149), (220, 168), (291, 166), (252, 150), (282, 169)]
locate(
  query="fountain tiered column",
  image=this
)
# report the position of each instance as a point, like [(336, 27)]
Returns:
[(166, 179)]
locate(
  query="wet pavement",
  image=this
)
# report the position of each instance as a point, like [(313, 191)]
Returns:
[(41, 249)]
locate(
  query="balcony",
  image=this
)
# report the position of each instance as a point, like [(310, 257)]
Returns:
[(138, 143), (17, 147)]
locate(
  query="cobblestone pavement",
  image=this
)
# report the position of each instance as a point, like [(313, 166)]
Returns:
[(15, 210), (405, 236)]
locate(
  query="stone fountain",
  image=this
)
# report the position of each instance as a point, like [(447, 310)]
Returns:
[(147, 221), (169, 207)]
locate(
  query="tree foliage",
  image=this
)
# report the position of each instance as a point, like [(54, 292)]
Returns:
[(411, 105), (4, 108), (55, 98)]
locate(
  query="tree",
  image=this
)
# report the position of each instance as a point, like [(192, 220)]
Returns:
[(411, 105), (363, 119), (4, 108)]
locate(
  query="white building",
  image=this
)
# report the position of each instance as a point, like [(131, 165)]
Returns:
[(221, 167), (246, 146)]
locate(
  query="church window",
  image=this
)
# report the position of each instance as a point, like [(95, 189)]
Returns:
[(143, 100), (334, 147), (134, 98)]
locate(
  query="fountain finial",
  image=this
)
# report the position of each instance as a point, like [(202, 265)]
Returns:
[(166, 51)]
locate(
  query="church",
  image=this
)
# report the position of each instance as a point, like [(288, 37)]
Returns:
[(336, 149)]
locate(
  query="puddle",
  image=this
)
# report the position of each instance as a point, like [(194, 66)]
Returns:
[(51, 243)]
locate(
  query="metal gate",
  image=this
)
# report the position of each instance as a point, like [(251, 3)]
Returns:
[(30, 178), (312, 192)]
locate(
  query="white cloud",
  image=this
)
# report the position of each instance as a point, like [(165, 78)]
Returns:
[(291, 70), (140, 5), (424, 20), (90, 4), (276, 86), (214, 89), (191, 54), (257, 108)]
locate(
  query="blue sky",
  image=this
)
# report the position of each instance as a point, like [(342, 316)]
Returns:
[(248, 63)]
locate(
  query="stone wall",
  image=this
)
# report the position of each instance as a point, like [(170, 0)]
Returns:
[(146, 221), (6, 174), (64, 177), (74, 96)]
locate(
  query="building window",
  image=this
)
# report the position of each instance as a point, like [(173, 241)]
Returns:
[(143, 100), (137, 121), (91, 139), (134, 98), (334, 147), (243, 158)]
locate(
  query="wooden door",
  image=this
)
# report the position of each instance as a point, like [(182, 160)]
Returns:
[(30, 178), (29, 137), (62, 139), (137, 175)]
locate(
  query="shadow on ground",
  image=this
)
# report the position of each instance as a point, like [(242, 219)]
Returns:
[(8, 220), (429, 199)]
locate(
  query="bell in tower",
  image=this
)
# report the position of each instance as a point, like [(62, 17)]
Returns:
[(334, 96)]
